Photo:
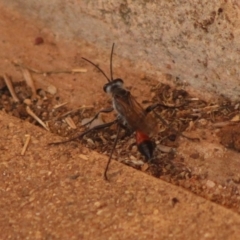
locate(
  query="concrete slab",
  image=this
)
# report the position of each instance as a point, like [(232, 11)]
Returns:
[(192, 43), (59, 193)]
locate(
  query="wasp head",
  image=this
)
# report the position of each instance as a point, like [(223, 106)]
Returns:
[(111, 86)]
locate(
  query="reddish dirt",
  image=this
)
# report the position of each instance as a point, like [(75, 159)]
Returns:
[(205, 167)]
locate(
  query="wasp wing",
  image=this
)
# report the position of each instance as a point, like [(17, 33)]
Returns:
[(134, 114)]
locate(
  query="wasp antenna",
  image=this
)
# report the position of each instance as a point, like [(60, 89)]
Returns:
[(96, 66), (111, 58)]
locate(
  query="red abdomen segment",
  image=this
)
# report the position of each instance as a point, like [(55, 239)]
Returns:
[(145, 145)]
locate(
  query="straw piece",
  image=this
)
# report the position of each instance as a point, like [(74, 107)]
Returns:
[(28, 137), (74, 70), (10, 87), (60, 105), (28, 78), (32, 114), (70, 122)]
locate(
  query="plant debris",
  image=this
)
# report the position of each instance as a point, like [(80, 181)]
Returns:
[(10, 87), (179, 115), (28, 137)]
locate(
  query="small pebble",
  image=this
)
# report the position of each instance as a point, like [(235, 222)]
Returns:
[(203, 122), (195, 155), (144, 167), (44, 114), (27, 101), (83, 156), (210, 184), (113, 136), (52, 89), (10, 125), (97, 204), (132, 157), (155, 212), (90, 142), (38, 41), (99, 212)]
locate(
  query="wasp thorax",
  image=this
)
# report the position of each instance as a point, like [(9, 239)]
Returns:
[(116, 83)]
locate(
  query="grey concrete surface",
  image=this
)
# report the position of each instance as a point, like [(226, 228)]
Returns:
[(192, 42)]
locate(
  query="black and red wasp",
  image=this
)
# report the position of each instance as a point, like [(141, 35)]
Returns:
[(130, 115)]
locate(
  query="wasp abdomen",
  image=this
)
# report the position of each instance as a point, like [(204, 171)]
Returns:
[(145, 145)]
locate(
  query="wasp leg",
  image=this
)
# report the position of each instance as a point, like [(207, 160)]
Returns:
[(107, 110), (169, 126), (110, 157), (156, 105), (152, 107), (105, 125)]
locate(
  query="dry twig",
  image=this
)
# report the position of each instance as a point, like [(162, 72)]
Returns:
[(28, 137), (70, 122), (74, 110), (74, 70), (60, 105), (32, 114), (10, 88), (28, 78), (223, 124)]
